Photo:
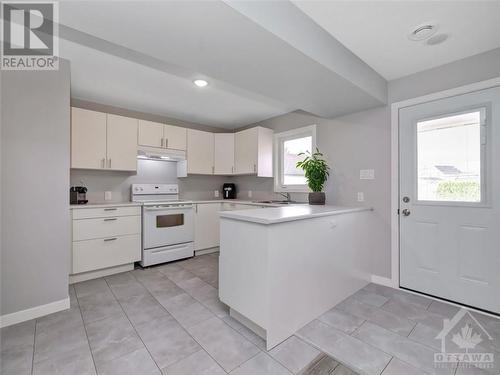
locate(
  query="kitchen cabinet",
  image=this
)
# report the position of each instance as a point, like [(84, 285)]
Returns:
[(150, 134), (121, 143), (103, 141), (253, 152), (206, 225), (200, 152), (224, 153), (155, 134), (88, 139), (104, 238)]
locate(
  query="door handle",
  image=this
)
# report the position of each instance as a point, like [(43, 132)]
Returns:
[(103, 163), (166, 142), (112, 219), (109, 163), (110, 239), (161, 143), (406, 212)]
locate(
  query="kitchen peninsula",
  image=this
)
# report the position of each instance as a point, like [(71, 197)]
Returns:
[(282, 267)]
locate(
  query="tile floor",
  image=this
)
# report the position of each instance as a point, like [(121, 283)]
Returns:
[(168, 320)]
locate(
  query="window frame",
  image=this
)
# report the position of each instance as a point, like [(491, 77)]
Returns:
[(279, 139), (485, 133)]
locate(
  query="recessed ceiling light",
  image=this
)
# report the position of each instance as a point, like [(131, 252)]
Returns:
[(422, 32), (200, 82)]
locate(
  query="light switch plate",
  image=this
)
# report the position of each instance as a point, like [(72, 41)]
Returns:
[(361, 196), (367, 174), (108, 195), (216, 193), (249, 193)]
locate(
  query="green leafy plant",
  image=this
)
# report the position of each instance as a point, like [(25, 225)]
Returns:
[(469, 191), (316, 169)]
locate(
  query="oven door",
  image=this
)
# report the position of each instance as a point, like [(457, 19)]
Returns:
[(167, 225)]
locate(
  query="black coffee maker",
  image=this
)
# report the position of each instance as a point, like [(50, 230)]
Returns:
[(229, 191), (77, 195)]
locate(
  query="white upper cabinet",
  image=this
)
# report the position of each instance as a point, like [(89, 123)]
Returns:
[(103, 141), (150, 134), (175, 137), (253, 152), (200, 152), (121, 143), (224, 153), (154, 134), (88, 139)]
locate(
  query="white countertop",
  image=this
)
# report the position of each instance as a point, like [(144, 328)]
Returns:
[(280, 214), (104, 205), (126, 204)]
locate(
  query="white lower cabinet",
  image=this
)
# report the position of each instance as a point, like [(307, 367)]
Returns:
[(206, 225), (105, 237)]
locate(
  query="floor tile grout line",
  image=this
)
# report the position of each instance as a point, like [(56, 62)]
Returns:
[(85, 329), (259, 350), (387, 365), (34, 345), (201, 346), (135, 330)]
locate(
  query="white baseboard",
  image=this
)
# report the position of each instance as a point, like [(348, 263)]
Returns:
[(383, 281), (207, 251), (79, 277), (34, 312)]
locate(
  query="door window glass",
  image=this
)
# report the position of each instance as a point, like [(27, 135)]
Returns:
[(449, 158)]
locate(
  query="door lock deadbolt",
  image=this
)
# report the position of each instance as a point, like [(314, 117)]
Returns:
[(406, 199)]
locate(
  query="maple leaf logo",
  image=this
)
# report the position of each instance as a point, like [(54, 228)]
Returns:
[(466, 339)]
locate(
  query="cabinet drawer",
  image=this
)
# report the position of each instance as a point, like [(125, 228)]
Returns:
[(89, 213), (87, 229), (93, 255)]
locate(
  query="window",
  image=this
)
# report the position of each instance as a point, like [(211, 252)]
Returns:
[(287, 147), (451, 157)]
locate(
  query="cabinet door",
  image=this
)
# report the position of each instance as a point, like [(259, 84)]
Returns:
[(175, 137), (206, 226), (121, 143), (245, 151), (223, 153), (200, 152), (150, 134), (88, 139)]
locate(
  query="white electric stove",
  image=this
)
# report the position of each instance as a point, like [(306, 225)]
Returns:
[(167, 223)]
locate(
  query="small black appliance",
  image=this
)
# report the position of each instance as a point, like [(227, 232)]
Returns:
[(229, 191), (77, 195)]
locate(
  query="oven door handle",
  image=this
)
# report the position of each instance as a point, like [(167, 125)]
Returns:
[(163, 208)]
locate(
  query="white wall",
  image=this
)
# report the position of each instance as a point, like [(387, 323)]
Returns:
[(35, 156), (362, 141)]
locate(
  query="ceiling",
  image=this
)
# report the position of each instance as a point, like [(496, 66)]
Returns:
[(144, 55), (261, 58), (365, 26)]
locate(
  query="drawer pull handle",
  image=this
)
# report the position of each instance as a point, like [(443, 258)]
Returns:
[(110, 239), (111, 219), (110, 209)]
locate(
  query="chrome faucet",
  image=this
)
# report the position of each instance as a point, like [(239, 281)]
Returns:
[(286, 195)]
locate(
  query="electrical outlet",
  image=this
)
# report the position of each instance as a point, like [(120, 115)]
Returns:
[(367, 174), (249, 193), (108, 195), (361, 196), (216, 193)]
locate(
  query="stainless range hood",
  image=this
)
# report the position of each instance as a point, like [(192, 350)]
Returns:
[(152, 153)]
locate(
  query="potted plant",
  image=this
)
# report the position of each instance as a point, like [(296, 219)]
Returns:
[(316, 172)]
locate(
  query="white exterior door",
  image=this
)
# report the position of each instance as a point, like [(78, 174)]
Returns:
[(450, 197)]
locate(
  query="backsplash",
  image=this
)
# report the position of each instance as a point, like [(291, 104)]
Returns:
[(148, 172), (194, 187)]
